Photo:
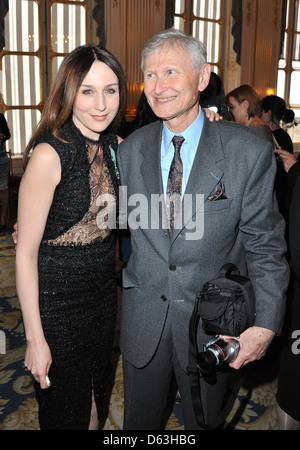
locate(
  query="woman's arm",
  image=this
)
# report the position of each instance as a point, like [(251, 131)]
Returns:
[(35, 197)]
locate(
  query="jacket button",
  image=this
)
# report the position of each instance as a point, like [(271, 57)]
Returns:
[(172, 267), (164, 298)]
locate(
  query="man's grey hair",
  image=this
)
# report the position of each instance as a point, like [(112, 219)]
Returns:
[(175, 38)]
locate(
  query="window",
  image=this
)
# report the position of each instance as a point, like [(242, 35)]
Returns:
[(203, 19), (38, 34), (289, 64)]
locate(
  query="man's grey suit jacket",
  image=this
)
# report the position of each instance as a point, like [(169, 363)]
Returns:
[(162, 275)]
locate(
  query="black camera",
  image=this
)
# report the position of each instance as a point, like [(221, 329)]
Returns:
[(217, 352)]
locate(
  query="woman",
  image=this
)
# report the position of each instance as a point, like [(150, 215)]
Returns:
[(274, 111), (245, 107), (65, 258), (4, 171)]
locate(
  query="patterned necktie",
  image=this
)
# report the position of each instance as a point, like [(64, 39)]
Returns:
[(174, 184)]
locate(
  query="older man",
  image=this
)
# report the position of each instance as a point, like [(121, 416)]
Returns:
[(171, 260)]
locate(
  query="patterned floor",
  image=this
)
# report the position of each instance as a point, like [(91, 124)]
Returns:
[(253, 410)]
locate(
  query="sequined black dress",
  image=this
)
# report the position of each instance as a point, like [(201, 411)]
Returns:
[(77, 282)]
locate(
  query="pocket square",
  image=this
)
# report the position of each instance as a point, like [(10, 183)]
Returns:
[(218, 192)]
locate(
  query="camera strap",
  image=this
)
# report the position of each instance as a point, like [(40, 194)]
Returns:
[(195, 384)]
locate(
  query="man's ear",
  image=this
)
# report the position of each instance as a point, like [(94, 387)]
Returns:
[(204, 77)]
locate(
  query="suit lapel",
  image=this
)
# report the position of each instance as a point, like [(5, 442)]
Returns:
[(150, 166), (206, 170), (151, 172), (205, 173)]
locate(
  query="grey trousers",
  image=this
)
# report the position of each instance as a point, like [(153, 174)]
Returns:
[(146, 389)]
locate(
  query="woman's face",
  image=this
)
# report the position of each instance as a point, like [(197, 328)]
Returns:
[(238, 110), (266, 116), (97, 101)]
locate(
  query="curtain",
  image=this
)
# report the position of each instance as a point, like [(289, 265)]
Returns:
[(3, 12), (99, 15), (170, 11), (236, 31)]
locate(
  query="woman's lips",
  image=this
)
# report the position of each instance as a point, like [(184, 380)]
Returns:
[(100, 118)]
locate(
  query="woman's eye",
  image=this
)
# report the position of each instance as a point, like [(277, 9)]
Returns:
[(87, 91)]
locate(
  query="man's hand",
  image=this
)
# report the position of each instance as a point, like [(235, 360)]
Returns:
[(254, 343)]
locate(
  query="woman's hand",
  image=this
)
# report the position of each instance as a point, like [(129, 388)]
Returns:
[(212, 116), (286, 158), (38, 360)]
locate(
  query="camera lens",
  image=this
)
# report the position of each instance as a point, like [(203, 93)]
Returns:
[(206, 361)]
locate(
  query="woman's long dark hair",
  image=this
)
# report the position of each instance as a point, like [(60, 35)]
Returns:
[(59, 104)]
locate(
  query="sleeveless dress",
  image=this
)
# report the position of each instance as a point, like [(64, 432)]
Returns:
[(77, 280)]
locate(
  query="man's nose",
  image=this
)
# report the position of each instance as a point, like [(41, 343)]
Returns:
[(160, 85)]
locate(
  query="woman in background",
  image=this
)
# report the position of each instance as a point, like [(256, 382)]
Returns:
[(274, 111), (65, 257), (245, 107)]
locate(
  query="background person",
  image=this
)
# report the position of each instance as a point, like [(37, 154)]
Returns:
[(245, 107), (274, 111)]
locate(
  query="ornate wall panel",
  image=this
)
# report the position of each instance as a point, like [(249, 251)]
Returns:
[(261, 41), (129, 24)]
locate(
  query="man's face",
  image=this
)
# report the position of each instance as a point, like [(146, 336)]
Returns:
[(172, 86)]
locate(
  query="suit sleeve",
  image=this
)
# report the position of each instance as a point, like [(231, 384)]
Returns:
[(263, 234)]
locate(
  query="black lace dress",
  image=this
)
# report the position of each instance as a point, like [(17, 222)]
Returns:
[(77, 281)]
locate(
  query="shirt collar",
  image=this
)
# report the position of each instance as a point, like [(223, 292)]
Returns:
[(191, 134)]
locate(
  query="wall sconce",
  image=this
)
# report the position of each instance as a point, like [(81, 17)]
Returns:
[(270, 91)]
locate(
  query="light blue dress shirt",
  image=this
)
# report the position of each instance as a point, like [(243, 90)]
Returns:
[(188, 150)]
